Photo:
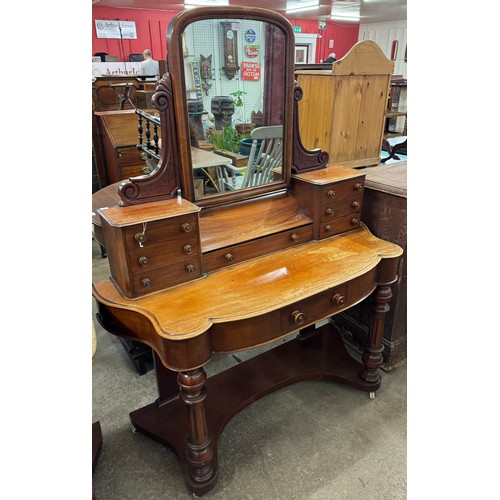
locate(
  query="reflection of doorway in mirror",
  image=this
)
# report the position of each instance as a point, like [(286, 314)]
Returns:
[(301, 53)]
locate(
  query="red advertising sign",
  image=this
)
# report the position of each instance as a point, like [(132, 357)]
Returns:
[(251, 50), (250, 70)]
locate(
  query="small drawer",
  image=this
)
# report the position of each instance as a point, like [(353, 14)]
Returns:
[(153, 256), (245, 251), (135, 170), (342, 190), (156, 279), (309, 311), (127, 157), (340, 225), (341, 208), (161, 231)]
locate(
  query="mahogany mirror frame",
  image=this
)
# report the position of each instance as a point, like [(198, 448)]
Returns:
[(176, 69)]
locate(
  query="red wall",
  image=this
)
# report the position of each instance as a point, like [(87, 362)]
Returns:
[(345, 36), (152, 25)]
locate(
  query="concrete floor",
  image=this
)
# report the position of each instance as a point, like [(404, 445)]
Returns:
[(312, 440)]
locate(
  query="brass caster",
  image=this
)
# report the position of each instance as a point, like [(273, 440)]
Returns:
[(372, 395)]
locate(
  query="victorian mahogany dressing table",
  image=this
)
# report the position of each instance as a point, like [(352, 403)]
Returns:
[(193, 277)]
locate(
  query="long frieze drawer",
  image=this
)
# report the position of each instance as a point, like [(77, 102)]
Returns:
[(341, 208), (311, 310), (342, 190), (245, 251), (340, 225), (153, 256), (151, 233), (156, 279)]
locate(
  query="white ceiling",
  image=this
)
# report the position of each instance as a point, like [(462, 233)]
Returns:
[(371, 11)]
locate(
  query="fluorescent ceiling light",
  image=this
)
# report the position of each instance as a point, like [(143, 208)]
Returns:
[(300, 6), (205, 3), (350, 19)]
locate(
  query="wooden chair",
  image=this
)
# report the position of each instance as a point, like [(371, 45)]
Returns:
[(266, 154)]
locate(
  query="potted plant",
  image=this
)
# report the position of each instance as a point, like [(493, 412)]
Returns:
[(227, 142), (242, 128)]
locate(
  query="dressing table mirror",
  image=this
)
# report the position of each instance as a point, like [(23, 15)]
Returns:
[(194, 275)]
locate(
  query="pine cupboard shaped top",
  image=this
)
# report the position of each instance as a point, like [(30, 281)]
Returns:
[(342, 111)]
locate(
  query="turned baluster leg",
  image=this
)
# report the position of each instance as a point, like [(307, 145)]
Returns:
[(199, 451), (372, 355)]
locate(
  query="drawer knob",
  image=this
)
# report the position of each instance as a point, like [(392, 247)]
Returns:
[(354, 221), (186, 227), (188, 249), (143, 261), (228, 257), (146, 282), (190, 268), (358, 186), (328, 228), (294, 237), (146, 170), (298, 317), (338, 300), (329, 211), (355, 204), (331, 193)]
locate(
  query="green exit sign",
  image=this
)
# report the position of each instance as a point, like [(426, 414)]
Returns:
[(297, 29)]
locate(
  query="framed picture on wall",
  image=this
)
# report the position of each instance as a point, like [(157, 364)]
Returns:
[(301, 53)]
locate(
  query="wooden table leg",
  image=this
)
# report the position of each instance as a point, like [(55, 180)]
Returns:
[(199, 452), (372, 355)]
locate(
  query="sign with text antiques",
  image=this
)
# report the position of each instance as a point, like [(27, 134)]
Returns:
[(115, 29)]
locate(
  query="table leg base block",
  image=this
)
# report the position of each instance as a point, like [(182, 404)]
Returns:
[(96, 443), (322, 356)]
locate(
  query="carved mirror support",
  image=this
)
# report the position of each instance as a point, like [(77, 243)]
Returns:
[(164, 181), (304, 160)]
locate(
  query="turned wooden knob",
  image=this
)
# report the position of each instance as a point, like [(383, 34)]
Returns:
[(329, 211), (354, 221), (338, 300), (140, 238), (190, 268), (358, 186), (328, 228), (355, 204), (186, 227), (330, 193), (298, 317), (146, 282), (294, 237), (143, 261), (188, 249), (228, 257)]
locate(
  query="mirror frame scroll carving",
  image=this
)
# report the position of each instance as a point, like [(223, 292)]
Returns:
[(176, 68), (164, 181)]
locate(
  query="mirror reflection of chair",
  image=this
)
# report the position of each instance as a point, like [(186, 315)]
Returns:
[(266, 155)]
